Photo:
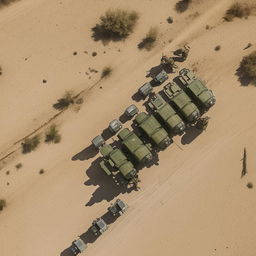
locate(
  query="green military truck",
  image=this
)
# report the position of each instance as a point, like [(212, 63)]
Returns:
[(182, 102), (115, 161), (196, 89), (134, 145), (153, 129), (167, 114)]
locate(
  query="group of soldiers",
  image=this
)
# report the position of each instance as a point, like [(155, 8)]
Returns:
[(181, 55)]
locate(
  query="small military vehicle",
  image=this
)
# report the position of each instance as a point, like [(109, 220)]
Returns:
[(99, 226), (98, 141), (115, 126), (160, 77), (153, 129), (196, 88), (167, 114), (78, 246), (115, 161), (134, 145), (118, 208), (182, 102), (145, 89), (131, 111)]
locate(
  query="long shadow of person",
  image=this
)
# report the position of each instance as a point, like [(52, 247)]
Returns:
[(108, 188), (191, 133)]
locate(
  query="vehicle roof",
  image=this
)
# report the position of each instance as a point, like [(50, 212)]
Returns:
[(150, 125)]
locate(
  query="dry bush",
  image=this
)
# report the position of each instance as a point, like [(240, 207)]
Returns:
[(247, 69), (182, 5), (30, 144), (6, 2), (237, 10), (249, 185), (41, 171), (52, 135), (149, 41), (106, 72), (217, 48), (64, 102), (115, 25), (2, 204), (18, 166)]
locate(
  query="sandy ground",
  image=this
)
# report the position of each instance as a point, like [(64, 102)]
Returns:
[(194, 202)]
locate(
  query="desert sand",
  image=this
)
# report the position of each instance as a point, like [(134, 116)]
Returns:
[(193, 203)]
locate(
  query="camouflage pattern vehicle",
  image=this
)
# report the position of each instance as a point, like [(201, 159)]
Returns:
[(160, 77), (182, 102), (116, 161), (131, 111), (78, 246), (115, 126), (99, 226), (169, 62), (145, 89), (134, 145), (153, 129), (196, 88), (167, 114), (118, 208)]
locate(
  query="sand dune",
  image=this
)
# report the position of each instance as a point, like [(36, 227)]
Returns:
[(194, 202)]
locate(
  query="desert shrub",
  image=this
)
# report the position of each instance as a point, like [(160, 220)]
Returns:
[(18, 166), (170, 20), (247, 69), (250, 185), (217, 48), (182, 5), (237, 10), (149, 41), (107, 71), (2, 204), (41, 171), (52, 135), (7, 172), (30, 144), (6, 2), (64, 102), (115, 24)]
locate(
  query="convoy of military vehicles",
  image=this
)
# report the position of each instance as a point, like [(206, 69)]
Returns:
[(179, 105)]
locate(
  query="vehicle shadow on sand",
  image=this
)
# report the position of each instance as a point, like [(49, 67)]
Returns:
[(191, 133), (108, 188), (88, 237)]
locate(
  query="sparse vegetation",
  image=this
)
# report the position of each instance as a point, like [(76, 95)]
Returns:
[(52, 135), (247, 69), (237, 10), (6, 2), (250, 185), (64, 102), (244, 169), (182, 5), (94, 54), (18, 166), (2, 204), (149, 41), (106, 72), (30, 144), (115, 25), (7, 172), (217, 48)]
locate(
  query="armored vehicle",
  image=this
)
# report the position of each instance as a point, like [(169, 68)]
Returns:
[(78, 246), (160, 77), (167, 114), (99, 226), (145, 89), (119, 207), (134, 145), (182, 102), (131, 111), (153, 129), (115, 161), (196, 88), (115, 126), (98, 141)]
